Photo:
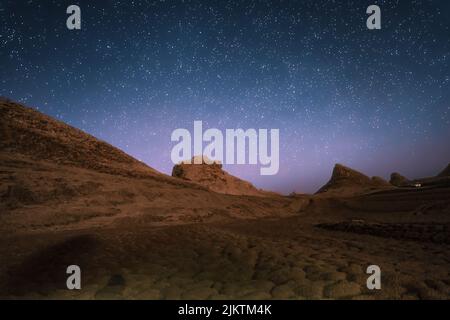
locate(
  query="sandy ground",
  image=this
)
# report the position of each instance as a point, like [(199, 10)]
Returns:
[(274, 256)]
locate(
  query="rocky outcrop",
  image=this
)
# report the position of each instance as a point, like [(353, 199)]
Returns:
[(398, 180), (378, 181), (445, 172), (347, 181), (211, 175)]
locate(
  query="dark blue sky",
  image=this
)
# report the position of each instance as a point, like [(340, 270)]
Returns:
[(377, 101)]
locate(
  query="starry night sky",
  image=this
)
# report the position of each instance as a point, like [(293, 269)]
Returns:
[(377, 101)]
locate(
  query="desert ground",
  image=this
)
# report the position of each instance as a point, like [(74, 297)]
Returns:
[(68, 198)]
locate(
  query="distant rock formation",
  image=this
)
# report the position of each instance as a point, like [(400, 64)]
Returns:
[(445, 172), (441, 180), (398, 180), (346, 181), (211, 175), (379, 181)]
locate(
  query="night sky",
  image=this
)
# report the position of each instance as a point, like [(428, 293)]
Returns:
[(377, 101)]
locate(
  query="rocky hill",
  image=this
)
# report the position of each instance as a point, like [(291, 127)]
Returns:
[(398, 180), (28, 132), (54, 176), (211, 175), (445, 172), (347, 181)]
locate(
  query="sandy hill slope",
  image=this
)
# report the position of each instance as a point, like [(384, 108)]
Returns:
[(211, 175), (54, 176), (346, 181), (28, 132)]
